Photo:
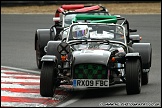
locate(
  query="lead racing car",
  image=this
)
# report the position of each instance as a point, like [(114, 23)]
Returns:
[(95, 54)]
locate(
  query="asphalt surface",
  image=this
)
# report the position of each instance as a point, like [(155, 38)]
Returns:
[(17, 50)]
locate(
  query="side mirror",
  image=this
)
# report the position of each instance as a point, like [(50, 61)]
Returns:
[(118, 16), (56, 18), (132, 30), (135, 38)]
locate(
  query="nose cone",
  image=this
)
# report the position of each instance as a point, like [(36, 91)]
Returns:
[(91, 56)]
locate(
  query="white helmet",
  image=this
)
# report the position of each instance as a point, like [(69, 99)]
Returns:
[(80, 31)]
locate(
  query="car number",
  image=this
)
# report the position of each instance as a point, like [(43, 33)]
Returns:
[(90, 83)]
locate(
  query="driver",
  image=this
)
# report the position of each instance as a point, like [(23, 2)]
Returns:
[(80, 32)]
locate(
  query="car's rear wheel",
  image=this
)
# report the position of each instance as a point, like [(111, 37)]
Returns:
[(38, 55), (48, 79), (133, 76)]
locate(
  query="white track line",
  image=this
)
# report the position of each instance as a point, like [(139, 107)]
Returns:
[(19, 69), (68, 102), (18, 80), (15, 94), (11, 104), (8, 70), (27, 76), (19, 86), (76, 98)]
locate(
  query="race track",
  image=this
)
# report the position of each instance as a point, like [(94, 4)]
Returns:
[(17, 50)]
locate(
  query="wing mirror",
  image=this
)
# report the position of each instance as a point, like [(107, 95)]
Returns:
[(56, 18), (135, 38), (132, 30), (118, 16)]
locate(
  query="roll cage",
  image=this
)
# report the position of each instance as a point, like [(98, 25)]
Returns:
[(77, 8), (106, 19)]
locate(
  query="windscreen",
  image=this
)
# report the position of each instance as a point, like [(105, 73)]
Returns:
[(97, 31)]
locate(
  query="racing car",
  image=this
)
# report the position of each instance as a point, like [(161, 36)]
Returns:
[(64, 9), (95, 54), (63, 17)]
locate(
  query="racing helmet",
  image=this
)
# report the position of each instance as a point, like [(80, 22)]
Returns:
[(80, 31)]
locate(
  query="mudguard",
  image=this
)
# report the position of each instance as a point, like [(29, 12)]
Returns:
[(145, 51), (90, 56), (52, 49), (49, 58), (43, 36)]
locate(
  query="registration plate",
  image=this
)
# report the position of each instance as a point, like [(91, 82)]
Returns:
[(90, 83)]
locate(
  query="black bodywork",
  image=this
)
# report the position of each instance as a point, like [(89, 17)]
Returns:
[(64, 63)]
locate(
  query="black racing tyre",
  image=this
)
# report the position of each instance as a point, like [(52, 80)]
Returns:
[(145, 78), (38, 55), (48, 79), (133, 76)]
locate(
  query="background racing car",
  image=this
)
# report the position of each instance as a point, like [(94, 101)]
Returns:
[(95, 54), (63, 17)]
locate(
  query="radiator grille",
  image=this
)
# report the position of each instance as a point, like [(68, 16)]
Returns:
[(90, 71)]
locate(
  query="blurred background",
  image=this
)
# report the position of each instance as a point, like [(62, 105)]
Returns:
[(49, 7), (19, 3)]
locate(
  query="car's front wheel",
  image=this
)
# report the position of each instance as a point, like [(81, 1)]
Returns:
[(133, 76), (48, 79)]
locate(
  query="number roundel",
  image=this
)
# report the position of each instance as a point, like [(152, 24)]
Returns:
[(63, 48)]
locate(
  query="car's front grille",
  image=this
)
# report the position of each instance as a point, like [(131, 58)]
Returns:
[(90, 71)]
